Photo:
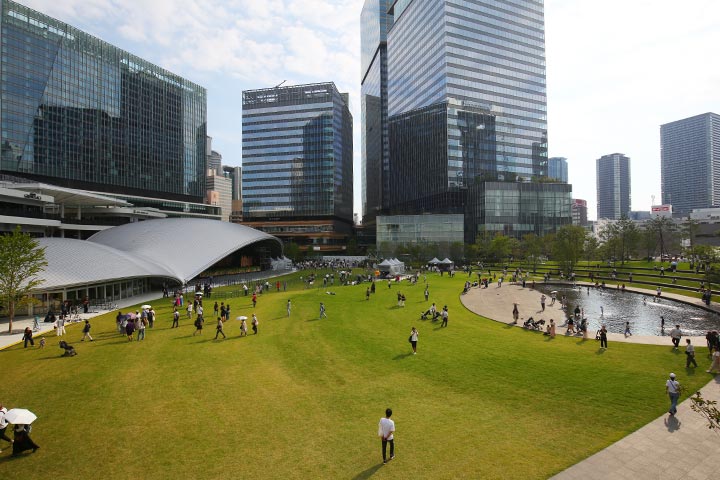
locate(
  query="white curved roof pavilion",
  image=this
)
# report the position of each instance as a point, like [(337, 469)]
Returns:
[(173, 248)]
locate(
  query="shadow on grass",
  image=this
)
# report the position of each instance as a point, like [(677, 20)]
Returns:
[(364, 475), (600, 351), (400, 357)]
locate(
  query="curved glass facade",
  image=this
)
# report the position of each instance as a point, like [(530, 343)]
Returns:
[(80, 113)]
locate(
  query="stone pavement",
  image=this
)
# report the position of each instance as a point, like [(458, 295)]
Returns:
[(19, 324), (679, 447)]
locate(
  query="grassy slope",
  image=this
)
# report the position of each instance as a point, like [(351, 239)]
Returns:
[(302, 399)]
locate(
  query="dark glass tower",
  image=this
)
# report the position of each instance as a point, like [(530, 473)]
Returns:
[(374, 24), (690, 153), (80, 113), (467, 107), (613, 186), (298, 162)]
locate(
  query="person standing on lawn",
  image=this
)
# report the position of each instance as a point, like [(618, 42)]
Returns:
[(672, 387), (676, 335), (289, 306), (322, 310), (603, 337), (176, 318), (689, 354), (445, 316), (255, 324), (386, 431), (414, 339)]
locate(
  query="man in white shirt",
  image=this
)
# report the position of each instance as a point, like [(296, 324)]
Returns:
[(386, 431), (672, 387), (676, 335), (689, 354)]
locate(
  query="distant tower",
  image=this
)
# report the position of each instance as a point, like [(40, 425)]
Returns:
[(613, 186), (690, 162), (558, 169)]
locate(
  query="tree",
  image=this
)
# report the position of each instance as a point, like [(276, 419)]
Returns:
[(591, 248), (664, 228), (620, 239), (501, 247), (21, 261), (292, 251), (569, 244), (708, 409), (532, 247)]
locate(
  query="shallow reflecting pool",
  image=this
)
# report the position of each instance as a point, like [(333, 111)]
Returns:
[(614, 307)]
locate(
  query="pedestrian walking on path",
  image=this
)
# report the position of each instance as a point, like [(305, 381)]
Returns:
[(689, 354), (515, 313), (542, 302), (627, 330), (414, 339), (386, 431), (676, 335), (672, 387)]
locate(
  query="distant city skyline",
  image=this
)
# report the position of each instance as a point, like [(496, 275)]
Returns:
[(606, 92)]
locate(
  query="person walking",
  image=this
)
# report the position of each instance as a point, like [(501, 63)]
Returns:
[(142, 324), (367, 294), (255, 324), (627, 330), (676, 335), (4, 425), (542, 302), (22, 440), (130, 329), (151, 317), (414, 339), (445, 316), (515, 313), (552, 328), (27, 337), (322, 310), (386, 431), (672, 388), (715, 365), (198, 325), (603, 337), (289, 306), (427, 293), (689, 354), (189, 310), (176, 318), (254, 299), (216, 309), (243, 328), (86, 331), (219, 329)]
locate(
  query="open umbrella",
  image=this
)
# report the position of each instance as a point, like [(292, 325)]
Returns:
[(20, 416), (241, 317), (554, 291), (146, 307), (198, 294)]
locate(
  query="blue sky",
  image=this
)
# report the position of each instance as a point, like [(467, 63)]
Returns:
[(616, 69)]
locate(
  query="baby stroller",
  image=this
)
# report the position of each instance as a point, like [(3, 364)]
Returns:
[(531, 324), (424, 315)]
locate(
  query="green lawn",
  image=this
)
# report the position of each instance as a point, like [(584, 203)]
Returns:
[(303, 398)]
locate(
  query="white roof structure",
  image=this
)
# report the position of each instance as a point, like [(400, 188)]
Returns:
[(184, 246), (173, 248)]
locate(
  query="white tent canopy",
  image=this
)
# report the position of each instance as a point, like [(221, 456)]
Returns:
[(434, 261)]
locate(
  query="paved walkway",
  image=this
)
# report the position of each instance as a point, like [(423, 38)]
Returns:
[(680, 447)]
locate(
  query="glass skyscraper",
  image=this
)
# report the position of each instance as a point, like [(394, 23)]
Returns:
[(613, 186), (690, 160), (374, 24), (80, 113), (298, 162), (558, 169), (467, 111)]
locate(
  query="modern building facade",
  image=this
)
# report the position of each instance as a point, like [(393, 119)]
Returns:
[(613, 186), (690, 162), (558, 169), (78, 112), (579, 211), (297, 177), (214, 158), (394, 231), (219, 192), (374, 24), (467, 110), (235, 176)]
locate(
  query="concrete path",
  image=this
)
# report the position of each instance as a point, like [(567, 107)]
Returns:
[(679, 447)]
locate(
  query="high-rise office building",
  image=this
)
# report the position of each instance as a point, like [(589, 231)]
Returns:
[(80, 113), (297, 177), (219, 192), (613, 186), (374, 23), (214, 159), (558, 169), (235, 176), (690, 162), (467, 109), (579, 212)]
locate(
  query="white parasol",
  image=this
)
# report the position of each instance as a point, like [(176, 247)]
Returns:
[(20, 416)]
